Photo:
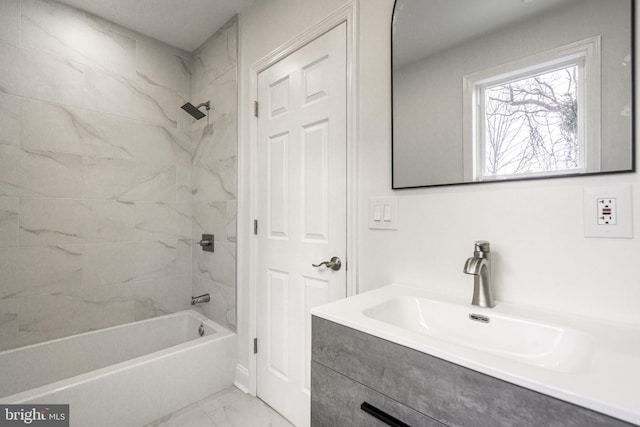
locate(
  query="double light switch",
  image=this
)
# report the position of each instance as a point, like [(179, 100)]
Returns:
[(383, 213)]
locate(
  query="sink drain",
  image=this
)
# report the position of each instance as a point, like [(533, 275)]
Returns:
[(479, 318)]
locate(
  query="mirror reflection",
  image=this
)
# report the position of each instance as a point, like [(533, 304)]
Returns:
[(510, 89)]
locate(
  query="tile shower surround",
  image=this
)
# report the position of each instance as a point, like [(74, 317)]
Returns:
[(104, 182), (214, 171)]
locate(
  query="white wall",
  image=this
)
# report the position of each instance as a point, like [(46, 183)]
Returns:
[(541, 257), (535, 227)]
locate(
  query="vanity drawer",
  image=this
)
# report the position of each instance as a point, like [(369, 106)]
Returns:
[(447, 392), (338, 401)]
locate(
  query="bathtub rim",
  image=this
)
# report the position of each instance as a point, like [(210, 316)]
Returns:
[(38, 392)]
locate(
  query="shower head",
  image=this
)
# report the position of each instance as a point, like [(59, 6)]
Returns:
[(195, 111)]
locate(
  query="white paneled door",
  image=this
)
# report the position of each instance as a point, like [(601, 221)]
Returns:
[(301, 211)]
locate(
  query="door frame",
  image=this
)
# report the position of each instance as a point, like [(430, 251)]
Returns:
[(346, 14)]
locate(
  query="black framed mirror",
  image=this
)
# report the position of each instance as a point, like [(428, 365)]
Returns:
[(500, 90)]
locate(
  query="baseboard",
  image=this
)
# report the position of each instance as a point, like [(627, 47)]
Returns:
[(242, 378)]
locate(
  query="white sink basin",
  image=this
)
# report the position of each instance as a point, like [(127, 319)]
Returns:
[(589, 362), (533, 342)]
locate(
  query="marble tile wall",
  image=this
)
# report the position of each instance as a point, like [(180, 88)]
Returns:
[(214, 172), (95, 175)]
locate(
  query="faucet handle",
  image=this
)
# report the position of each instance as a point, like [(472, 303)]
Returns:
[(482, 246)]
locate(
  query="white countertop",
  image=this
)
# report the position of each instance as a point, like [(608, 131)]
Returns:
[(609, 384)]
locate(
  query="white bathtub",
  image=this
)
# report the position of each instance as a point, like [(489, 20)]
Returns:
[(127, 375)]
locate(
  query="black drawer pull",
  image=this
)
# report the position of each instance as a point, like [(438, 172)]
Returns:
[(382, 416)]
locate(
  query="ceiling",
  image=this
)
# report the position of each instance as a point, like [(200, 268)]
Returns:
[(181, 23), (422, 28)]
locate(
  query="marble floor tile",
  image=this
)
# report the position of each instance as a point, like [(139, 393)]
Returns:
[(191, 416), (228, 408)]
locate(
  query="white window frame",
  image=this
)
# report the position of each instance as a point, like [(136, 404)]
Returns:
[(586, 55)]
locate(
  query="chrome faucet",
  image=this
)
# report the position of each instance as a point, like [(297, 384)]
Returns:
[(200, 299), (480, 266)]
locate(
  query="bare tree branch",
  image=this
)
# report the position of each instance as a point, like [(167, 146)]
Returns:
[(531, 124)]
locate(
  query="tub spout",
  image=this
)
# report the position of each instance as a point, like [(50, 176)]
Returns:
[(200, 299)]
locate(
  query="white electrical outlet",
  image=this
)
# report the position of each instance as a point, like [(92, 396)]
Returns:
[(608, 211)]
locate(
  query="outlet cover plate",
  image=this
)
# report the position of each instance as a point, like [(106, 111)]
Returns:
[(623, 227)]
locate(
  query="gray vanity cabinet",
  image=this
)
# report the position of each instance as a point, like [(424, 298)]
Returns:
[(337, 401), (350, 368)]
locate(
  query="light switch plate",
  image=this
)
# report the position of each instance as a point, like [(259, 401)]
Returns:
[(596, 221), (383, 213)]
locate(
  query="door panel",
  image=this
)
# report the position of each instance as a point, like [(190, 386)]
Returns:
[(315, 176), (277, 320), (316, 293), (278, 185)]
